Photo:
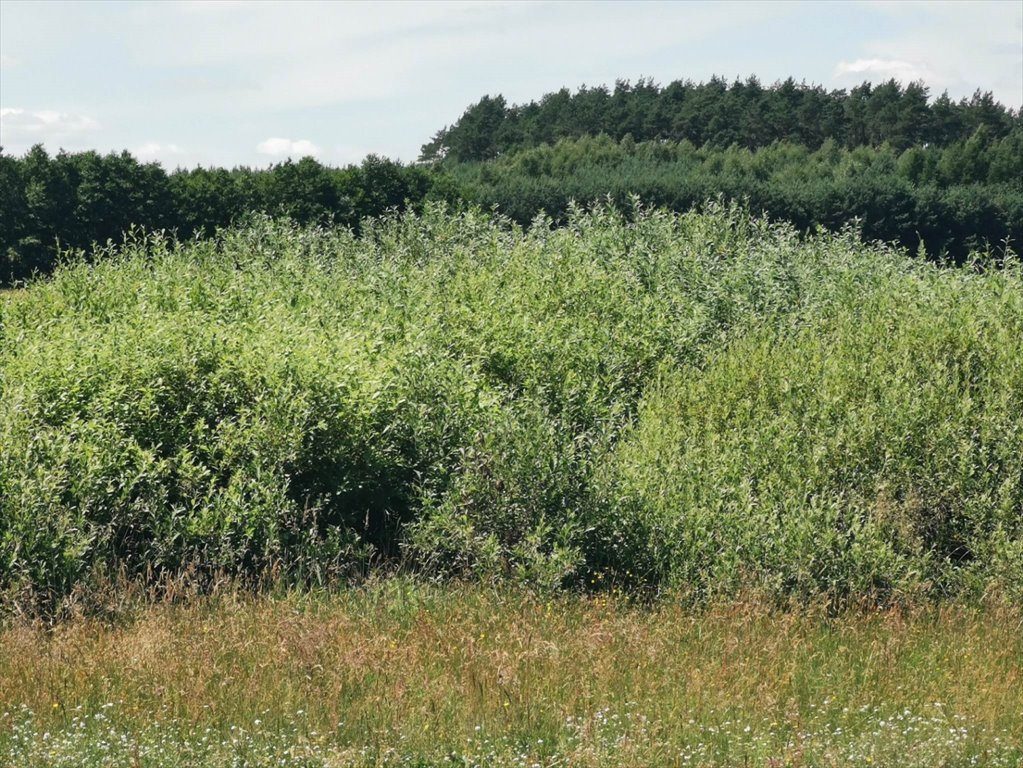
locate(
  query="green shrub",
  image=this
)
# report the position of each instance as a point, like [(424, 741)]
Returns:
[(704, 400), (875, 449)]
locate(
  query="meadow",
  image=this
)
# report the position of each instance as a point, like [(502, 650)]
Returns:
[(643, 489), (396, 673)]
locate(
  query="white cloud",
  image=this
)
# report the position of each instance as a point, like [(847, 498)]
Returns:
[(278, 147), (153, 150), (885, 69), (21, 126), (958, 46), (6, 62)]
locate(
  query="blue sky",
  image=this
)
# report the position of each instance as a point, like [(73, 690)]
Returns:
[(251, 83)]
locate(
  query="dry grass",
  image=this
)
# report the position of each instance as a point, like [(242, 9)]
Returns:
[(400, 674)]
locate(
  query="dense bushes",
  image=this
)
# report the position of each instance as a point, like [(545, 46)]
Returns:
[(700, 400), (876, 447)]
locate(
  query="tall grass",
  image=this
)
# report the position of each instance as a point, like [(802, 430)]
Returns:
[(701, 400), (401, 675)]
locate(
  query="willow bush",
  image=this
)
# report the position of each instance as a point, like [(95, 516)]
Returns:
[(700, 401)]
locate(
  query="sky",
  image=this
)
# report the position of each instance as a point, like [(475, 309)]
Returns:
[(246, 82)]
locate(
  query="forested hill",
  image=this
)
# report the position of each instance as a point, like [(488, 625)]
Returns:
[(745, 113)]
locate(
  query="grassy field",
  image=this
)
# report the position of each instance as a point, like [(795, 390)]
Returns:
[(396, 674)]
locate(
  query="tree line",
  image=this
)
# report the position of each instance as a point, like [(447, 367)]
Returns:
[(744, 113), (946, 175), (965, 197), (74, 200)]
